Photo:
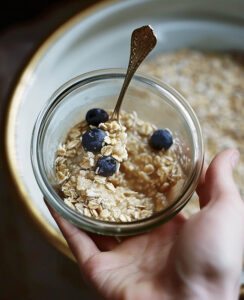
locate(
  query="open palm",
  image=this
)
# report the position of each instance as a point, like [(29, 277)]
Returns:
[(182, 259)]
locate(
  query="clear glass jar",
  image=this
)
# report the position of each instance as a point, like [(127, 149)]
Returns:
[(153, 101)]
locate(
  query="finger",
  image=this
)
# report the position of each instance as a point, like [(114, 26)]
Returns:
[(79, 242), (219, 177), (219, 182), (223, 216)]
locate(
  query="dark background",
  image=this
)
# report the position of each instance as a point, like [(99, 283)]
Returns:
[(30, 268), (16, 12)]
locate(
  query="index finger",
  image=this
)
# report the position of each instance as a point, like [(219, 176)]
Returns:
[(79, 242)]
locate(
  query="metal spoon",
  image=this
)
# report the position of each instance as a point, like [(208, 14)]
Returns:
[(143, 41)]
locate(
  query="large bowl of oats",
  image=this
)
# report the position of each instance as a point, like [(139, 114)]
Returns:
[(116, 177)]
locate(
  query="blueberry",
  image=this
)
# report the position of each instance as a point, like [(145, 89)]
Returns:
[(161, 139), (106, 166), (95, 116), (92, 139)]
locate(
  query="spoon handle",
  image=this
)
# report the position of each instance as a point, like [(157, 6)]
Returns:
[(143, 41)]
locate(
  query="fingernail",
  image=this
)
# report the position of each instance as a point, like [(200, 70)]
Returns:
[(234, 158)]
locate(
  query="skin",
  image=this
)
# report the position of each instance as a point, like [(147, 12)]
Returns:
[(196, 258)]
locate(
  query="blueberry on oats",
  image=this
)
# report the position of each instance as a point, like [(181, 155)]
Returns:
[(92, 139), (106, 166), (161, 139), (95, 116)]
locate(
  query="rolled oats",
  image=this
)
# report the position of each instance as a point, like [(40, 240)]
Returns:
[(136, 190)]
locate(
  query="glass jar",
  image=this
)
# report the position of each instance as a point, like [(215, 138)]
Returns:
[(154, 102)]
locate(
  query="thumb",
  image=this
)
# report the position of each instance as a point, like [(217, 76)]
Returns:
[(219, 183)]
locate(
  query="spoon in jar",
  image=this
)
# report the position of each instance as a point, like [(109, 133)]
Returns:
[(143, 41)]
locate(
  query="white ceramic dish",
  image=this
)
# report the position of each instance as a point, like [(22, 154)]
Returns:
[(99, 38)]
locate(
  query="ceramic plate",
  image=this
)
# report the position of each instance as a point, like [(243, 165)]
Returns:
[(99, 38)]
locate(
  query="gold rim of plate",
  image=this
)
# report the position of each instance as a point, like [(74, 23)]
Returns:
[(51, 234)]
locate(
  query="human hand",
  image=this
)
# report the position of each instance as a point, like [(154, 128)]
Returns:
[(198, 258)]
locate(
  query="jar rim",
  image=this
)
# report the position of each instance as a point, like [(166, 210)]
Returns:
[(92, 224)]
